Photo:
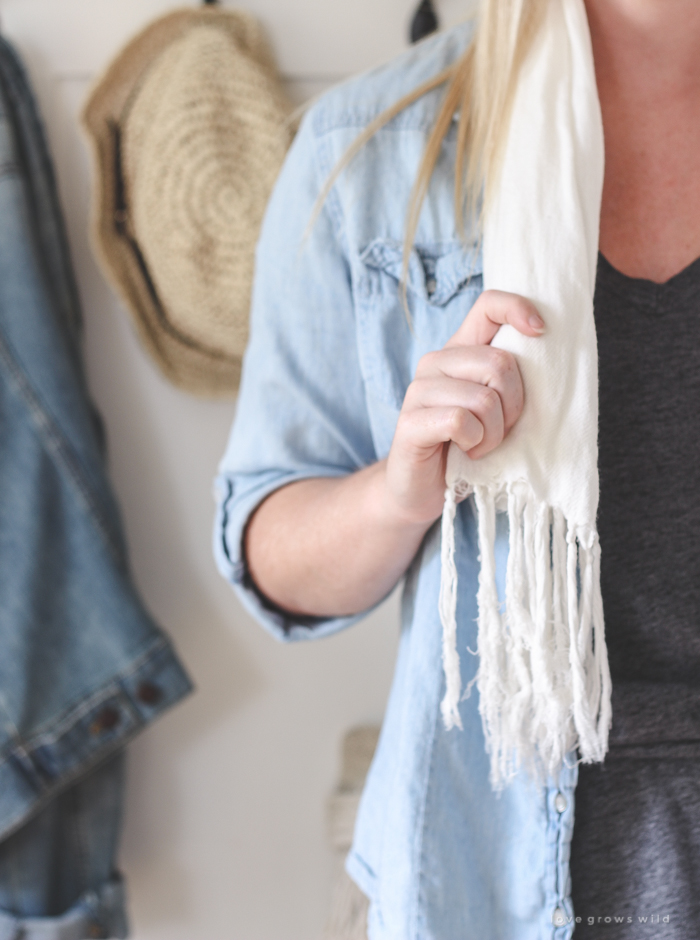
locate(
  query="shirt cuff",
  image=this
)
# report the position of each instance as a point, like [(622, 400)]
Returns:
[(236, 500)]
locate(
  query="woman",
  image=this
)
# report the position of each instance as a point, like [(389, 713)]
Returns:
[(334, 475)]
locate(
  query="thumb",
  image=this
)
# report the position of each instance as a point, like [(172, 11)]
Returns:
[(491, 311)]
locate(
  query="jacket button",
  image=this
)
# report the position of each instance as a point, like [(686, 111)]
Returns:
[(149, 693), (558, 917), (105, 720), (560, 802)]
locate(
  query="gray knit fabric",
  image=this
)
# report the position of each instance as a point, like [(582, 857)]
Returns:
[(635, 861)]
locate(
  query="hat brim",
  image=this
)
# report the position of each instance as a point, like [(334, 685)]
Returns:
[(188, 364)]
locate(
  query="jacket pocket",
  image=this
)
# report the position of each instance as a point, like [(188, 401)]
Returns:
[(444, 279)]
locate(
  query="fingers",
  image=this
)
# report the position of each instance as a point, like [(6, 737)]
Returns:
[(421, 431), (491, 311), (494, 368), (469, 392), (459, 401)]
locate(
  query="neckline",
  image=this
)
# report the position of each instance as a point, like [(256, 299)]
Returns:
[(685, 283)]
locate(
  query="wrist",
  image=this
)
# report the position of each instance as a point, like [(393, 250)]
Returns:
[(397, 513)]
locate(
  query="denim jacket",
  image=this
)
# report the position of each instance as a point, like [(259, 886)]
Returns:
[(330, 357), (83, 667)]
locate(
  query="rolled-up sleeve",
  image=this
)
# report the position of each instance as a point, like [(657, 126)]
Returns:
[(301, 408)]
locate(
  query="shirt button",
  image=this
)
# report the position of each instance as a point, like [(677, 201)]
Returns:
[(558, 917), (560, 802), (431, 285)]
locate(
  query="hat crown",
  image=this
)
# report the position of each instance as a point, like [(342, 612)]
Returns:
[(190, 128), (202, 143)]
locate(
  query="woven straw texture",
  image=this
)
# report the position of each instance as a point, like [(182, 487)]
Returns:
[(189, 127)]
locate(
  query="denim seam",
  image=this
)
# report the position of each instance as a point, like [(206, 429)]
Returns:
[(80, 848), (10, 726), (332, 202), (557, 832), (53, 729), (553, 851), (557, 863), (355, 119), (453, 46), (19, 819), (375, 372), (420, 827), (101, 754), (566, 834), (415, 117), (112, 690), (58, 447), (420, 835), (31, 134)]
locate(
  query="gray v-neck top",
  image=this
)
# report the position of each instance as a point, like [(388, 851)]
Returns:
[(649, 512)]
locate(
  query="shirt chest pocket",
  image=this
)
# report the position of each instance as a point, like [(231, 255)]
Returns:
[(443, 282)]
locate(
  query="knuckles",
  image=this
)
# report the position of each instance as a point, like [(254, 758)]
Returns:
[(487, 297), (487, 400), (503, 368), (505, 374), (464, 428), (456, 420), (502, 362), (515, 302), (415, 392), (428, 363)]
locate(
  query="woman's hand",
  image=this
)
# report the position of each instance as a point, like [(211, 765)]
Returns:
[(334, 546), (467, 392)]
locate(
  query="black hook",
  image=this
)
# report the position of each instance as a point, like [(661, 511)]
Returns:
[(424, 22)]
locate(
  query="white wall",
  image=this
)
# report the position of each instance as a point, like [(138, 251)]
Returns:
[(225, 832)]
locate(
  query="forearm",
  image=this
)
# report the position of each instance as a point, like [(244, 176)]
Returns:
[(331, 547), (334, 547)]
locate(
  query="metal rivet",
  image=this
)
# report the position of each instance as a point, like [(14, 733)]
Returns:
[(149, 693), (105, 720), (560, 802), (558, 917)]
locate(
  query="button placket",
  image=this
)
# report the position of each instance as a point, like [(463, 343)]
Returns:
[(559, 805)]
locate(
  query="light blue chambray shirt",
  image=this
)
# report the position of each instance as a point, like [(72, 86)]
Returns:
[(330, 357)]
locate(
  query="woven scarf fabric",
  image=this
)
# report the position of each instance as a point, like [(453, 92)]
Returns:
[(543, 677)]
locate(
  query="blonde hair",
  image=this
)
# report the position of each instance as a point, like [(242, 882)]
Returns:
[(480, 87)]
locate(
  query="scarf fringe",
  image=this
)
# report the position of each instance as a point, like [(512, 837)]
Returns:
[(543, 678)]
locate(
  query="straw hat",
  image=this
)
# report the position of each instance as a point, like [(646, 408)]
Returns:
[(189, 127)]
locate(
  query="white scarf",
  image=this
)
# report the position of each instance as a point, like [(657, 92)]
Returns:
[(543, 676)]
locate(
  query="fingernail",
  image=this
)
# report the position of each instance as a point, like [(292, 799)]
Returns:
[(536, 322)]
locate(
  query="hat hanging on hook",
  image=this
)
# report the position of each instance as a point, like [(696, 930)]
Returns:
[(189, 127), (424, 21)]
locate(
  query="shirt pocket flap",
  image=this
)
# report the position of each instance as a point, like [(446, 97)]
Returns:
[(436, 272)]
